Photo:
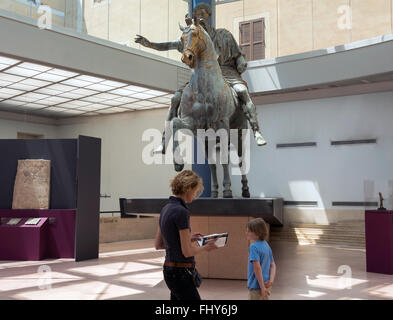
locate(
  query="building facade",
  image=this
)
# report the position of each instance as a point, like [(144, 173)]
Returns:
[(278, 27)]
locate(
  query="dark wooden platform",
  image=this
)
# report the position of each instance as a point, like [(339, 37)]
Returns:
[(270, 209)]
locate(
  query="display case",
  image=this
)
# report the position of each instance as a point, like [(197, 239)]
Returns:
[(70, 227), (23, 241)]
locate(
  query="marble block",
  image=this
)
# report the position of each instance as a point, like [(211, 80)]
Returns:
[(32, 185)]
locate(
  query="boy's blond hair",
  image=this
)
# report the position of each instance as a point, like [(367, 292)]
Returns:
[(259, 227)]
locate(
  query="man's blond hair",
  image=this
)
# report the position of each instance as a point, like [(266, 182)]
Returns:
[(185, 181)]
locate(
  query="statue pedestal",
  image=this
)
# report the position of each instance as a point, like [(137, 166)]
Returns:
[(230, 261)]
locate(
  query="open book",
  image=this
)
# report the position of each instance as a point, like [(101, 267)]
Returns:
[(14, 221), (32, 221), (219, 238)]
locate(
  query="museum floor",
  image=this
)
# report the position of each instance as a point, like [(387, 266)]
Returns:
[(132, 270)]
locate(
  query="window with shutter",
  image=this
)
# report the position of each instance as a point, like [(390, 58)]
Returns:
[(252, 39), (245, 39)]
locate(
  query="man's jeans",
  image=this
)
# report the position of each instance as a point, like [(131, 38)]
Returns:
[(180, 283)]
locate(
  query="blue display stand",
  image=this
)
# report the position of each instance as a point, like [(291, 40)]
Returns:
[(202, 170)]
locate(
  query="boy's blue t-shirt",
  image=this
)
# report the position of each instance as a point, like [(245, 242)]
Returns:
[(259, 251)]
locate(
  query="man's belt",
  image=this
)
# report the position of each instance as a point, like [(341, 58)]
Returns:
[(179, 264)]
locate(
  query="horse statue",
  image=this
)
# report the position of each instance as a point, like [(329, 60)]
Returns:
[(208, 102)]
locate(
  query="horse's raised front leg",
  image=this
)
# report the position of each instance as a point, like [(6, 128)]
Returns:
[(177, 125), (172, 113)]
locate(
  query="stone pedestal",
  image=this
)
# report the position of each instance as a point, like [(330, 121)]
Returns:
[(229, 262)]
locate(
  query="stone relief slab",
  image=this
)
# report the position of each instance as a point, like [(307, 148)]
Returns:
[(32, 185)]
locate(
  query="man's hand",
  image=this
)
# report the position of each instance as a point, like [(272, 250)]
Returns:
[(211, 245), (268, 284), (143, 41), (196, 236)]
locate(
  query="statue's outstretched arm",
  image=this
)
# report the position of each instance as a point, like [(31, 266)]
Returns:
[(164, 46), (160, 46)]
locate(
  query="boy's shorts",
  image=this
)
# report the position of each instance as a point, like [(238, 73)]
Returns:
[(255, 294)]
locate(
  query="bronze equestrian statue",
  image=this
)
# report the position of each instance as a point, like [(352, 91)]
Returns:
[(232, 63), (207, 101)]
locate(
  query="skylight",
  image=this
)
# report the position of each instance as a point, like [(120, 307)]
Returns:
[(43, 90)]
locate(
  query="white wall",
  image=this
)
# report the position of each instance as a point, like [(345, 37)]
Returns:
[(123, 173), (324, 173), (9, 129)]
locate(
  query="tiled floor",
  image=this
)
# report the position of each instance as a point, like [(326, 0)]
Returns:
[(132, 270)]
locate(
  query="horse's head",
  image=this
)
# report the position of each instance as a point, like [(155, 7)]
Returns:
[(194, 43)]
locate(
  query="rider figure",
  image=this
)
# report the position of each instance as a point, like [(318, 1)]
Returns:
[(232, 63)]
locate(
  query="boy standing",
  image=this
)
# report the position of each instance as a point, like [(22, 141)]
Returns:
[(261, 266)]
